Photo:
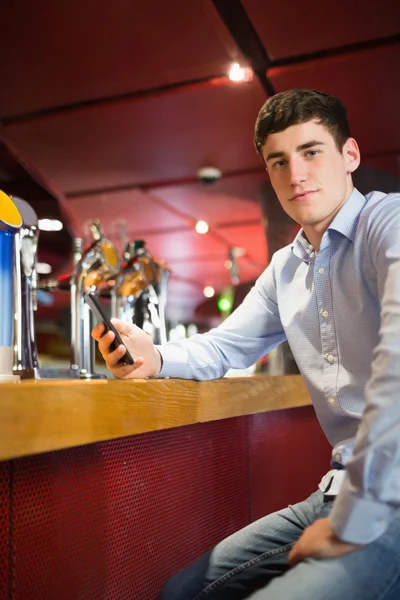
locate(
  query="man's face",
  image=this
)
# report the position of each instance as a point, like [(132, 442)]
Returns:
[(308, 173)]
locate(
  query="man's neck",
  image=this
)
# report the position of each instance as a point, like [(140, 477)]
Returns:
[(314, 233)]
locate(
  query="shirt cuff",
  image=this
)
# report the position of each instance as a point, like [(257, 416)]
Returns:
[(358, 520), (174, 362)]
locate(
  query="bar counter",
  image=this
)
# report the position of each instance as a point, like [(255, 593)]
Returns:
[(108, 487), (40, 416)]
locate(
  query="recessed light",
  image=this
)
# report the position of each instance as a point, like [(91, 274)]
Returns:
[(43, 268), (238, 73), (201, 227), (50, 225), (209, 291)]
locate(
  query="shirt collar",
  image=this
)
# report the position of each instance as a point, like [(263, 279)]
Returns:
[(345, 222), (302, 248)]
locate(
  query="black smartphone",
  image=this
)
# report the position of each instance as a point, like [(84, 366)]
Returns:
[(92, 300)]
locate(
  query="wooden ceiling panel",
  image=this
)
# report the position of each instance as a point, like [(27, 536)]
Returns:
[(190, 244), (309, 26), (233, 201), (146, 140), (134, 207), (215, 272), (183, 290), (249, 237), (215, 275), (69, 51), (368, 85)]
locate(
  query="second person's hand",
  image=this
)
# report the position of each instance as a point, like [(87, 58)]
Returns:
[(140, 345)]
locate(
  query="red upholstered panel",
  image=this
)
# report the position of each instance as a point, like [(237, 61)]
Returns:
[(113, 520), (288, 456)]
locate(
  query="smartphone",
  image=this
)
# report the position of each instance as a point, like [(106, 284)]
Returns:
[(92, 300)]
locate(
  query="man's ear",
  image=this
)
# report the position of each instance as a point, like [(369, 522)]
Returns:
[(351, 153)]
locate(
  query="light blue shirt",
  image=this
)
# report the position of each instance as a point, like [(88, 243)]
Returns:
[(339, 309)]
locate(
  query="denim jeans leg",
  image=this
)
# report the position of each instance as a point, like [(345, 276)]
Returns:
[(370, 573), (248, 559)]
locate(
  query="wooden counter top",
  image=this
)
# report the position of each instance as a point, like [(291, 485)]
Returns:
[(39, 416)]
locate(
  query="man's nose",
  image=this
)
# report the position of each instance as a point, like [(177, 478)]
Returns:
[(297, 172)]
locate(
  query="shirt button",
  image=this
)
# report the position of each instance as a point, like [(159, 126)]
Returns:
[(325, 313), (321, 270), (330, 358), (332, 402)]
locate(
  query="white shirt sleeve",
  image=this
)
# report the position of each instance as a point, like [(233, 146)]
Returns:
[(371, 489), (251, 331)]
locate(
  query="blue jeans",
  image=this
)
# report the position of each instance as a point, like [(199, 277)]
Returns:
[(253, 564)]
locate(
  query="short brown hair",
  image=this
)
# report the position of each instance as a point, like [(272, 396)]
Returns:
[(300, 106)]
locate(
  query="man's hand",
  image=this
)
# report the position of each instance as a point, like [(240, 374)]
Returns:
[(319, 541), (140, 345)]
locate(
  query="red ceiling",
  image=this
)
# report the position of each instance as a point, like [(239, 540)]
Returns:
[(233, 200), (367, 84), (118, 104), (64, 52), (147, 139), (295, 27), (132, 207)]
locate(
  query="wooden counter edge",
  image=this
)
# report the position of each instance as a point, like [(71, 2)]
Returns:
[(41, 416)]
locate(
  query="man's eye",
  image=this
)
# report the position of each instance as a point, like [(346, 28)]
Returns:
[(279, 164), (312, 152)]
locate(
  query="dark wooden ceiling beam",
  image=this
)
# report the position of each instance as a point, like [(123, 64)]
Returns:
[(221, 79), (339, 51), (161, 184), (241, 29)]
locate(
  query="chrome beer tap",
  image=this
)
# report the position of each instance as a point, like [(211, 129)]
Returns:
[(141, 291), (25, 288), (130, 283), (92, 267)]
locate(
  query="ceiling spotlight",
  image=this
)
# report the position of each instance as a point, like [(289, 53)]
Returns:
[(50, 225), (201, 227), (43, 268), (238, 73), (208, 291)]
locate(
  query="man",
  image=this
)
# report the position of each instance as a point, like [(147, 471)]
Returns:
[(334, 294)]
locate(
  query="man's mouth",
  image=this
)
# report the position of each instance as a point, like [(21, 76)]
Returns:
[(301, 196)]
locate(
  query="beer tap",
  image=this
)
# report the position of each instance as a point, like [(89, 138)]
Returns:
[(92, 268), (25, 288), (141, 291)]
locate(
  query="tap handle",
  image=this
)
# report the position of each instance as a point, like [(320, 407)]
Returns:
[(96, 230), (77, 250)]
